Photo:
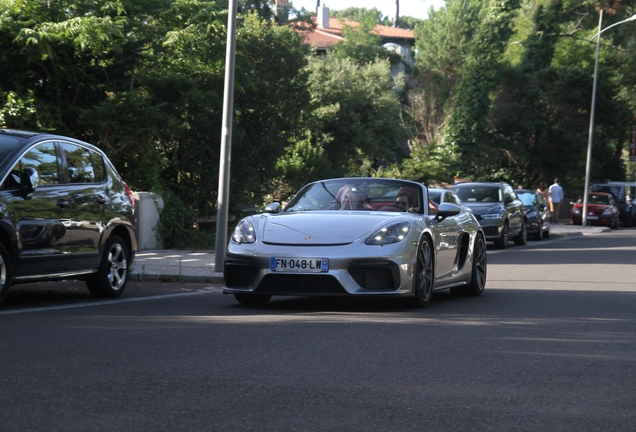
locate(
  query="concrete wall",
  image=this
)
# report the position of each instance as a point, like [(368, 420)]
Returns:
[(146, 204)]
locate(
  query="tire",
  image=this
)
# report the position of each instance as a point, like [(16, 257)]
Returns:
[(546, 234), (112, 274), (522, 238), (424, 275), (5, 273), (502, 242), (614, 223), (539, 235), (478, 271), (252, 299)]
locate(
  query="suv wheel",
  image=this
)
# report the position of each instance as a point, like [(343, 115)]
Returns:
[(522, 237), (112, 273), (5, 273), (502, 241)]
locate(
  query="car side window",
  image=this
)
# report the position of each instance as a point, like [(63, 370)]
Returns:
[(98, 166), (509, 193), (450, 198), (79, 163), (43, 158)]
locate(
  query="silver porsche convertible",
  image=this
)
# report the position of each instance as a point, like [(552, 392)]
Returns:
[(356, 237)]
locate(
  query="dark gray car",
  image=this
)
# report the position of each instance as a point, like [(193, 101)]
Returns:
[(498, 209), (64, 214), (537, 213)]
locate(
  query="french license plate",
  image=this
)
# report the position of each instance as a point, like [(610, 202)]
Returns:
[(305, 265), (592, 217)]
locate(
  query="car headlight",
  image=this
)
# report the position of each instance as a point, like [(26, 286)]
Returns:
[(576, 211), (244, 232), (608, 211), (392, 233), (492, 216)]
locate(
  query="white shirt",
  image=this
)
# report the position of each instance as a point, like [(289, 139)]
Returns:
[(556, 193)]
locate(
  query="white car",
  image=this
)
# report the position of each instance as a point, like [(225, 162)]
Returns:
[(356, 237)]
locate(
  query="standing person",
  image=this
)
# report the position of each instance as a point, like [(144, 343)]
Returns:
[(543, 191), (556, 196)]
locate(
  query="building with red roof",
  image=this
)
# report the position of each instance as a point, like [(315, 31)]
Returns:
[(328, 32)]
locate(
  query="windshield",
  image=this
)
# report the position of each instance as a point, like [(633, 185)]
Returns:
[(358, 194), (472, 194), (7, 144), (527, 198)]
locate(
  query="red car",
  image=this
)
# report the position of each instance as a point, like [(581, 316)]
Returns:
[(601, 210)]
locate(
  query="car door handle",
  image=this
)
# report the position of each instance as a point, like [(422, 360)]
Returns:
[(62, 203)]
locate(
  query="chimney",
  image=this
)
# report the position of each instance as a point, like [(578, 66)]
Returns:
[(323, 16)]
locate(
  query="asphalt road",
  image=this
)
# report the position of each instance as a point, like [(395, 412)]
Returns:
[(550, 346)]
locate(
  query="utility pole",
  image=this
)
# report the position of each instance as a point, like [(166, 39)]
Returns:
[(226, 141)]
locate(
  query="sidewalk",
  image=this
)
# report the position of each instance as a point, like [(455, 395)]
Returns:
[(198, 266), (175, 265)]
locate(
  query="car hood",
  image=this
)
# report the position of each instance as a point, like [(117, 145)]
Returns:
[(323, 228), (484, 208), (596, 207)]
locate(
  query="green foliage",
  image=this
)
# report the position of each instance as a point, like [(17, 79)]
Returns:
[(355, 123), (409, 22), (362, 45), (269, 103), (357, 14), (177, 226)]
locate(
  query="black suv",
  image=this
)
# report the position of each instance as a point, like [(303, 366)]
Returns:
[(624, 194), (498, 209), (64, 214)]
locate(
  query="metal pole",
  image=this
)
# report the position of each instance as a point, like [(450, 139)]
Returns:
[(226, 141), (588, 164), (589, 141)]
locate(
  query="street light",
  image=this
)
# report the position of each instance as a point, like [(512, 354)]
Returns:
[(226, 141), (589, 140)]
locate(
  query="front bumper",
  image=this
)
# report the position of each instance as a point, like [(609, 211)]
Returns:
[(492, 228), (369, 270)]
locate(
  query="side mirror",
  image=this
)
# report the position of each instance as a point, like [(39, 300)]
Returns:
[(29, 181), (445, 210), (508, 200), (273, 208)]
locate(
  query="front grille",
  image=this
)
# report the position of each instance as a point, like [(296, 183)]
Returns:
[(300, 284)]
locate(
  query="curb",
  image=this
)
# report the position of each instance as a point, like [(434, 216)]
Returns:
[(572, 234)]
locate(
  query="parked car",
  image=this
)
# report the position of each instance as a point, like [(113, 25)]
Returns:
[(441, 195), (624, 194), (537, 213), (66, 214), (501, 214), (601, 208), (356, 237)]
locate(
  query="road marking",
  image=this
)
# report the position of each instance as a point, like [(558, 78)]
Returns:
[(109, 302)]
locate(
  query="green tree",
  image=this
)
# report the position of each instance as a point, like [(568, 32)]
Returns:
[(362, 45), (467, 130), (362, 14), (354, 122)]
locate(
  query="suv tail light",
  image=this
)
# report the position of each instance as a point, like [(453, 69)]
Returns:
[(129, 192)]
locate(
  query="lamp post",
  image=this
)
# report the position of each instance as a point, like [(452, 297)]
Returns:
[(589, 140), (226, 141)]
